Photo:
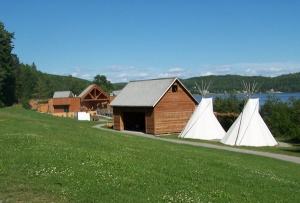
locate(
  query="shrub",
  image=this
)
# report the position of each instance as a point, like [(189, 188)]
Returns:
[(230, 104), (282, 118)]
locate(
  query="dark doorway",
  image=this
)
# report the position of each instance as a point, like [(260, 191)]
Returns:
[(134, 121)]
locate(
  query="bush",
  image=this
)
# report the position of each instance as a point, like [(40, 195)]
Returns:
[(25, 103), (282, 118), (230, 104)]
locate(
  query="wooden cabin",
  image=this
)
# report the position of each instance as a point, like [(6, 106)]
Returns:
[(64, 103), (94, 97), (156, 106)]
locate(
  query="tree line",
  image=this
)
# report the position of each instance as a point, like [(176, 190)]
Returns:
[(233, 83)]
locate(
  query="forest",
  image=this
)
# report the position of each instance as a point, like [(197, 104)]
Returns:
[(233, 83)]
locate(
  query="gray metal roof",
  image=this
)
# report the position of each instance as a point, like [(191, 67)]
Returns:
[(143, 93), (62, 94), (85, 91), (115, 93)]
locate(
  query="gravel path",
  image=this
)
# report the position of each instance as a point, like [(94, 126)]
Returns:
[(266, 154)]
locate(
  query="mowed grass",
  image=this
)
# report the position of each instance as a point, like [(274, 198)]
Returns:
[(53, 159)]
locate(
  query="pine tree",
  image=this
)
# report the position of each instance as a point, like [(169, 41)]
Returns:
[(8, 66)]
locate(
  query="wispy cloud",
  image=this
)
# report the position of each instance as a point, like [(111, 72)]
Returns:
[(130, 73), (206, 73), (118, 68), (175, 72), (267, 69), (254, 69), (222, 69)]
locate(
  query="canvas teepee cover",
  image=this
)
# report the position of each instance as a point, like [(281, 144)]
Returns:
[(249, 129), (203, 124)]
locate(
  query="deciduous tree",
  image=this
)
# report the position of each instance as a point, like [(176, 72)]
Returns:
[(102, 82)]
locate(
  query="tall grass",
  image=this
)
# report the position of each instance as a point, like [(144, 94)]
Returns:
[(52, 159)]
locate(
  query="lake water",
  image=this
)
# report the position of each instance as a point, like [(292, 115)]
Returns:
[(262, 96)]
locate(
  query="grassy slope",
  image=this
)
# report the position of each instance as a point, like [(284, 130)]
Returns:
[(45, 158)]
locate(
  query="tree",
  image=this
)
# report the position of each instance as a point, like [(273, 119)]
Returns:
[(282, 118), (230, 104), (8, 66), (26, 82), (102, 82)]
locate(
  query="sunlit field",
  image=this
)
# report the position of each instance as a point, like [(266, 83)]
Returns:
[(52, 159)]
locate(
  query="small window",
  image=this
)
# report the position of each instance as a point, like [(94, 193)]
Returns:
[(174, 88), (66, 109)]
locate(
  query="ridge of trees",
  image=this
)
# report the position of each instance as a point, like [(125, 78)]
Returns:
[(233, 83)]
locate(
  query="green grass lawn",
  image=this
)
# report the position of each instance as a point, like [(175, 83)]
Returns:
[(52, 159)]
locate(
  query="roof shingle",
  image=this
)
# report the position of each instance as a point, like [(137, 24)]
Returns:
[(62, 94), (143, 93)]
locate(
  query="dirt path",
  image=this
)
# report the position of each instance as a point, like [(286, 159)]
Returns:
[(266, 154)]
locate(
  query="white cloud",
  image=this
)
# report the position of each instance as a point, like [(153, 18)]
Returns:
[(74, 74), (206, 73), (253, 69), (175, 72), (221, 69), (131, 73), (118, 68), (86, 76)]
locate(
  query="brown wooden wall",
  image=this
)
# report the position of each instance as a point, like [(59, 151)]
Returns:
[(173, 111), (50, 109), (118, 121), (75, 104), (56, 104)]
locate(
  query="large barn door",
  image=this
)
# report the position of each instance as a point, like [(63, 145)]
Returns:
[(134, 121)]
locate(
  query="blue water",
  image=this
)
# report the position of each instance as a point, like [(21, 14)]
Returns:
[(262, 96)]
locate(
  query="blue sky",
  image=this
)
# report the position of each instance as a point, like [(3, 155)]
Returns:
[(143, 39)]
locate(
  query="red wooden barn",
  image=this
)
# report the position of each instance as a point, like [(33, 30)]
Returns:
[(157, 106)]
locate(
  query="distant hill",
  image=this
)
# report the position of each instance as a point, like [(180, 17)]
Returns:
[(63, 83), (32, 83), (233, 83), (219, 83)]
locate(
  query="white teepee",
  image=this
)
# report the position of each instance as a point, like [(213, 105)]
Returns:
[(249, 129), (203, 124)]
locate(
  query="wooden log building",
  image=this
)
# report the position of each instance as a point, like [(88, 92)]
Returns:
[(65, 103), (157, 106)]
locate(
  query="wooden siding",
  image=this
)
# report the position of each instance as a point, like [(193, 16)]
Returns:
[(173, 111), (95, 97), (150, 125), (170, 115), (56, 104), (50, 109), (118, 122)]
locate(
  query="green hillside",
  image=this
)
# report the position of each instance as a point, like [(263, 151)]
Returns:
[(53, 159), (233, 83)]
